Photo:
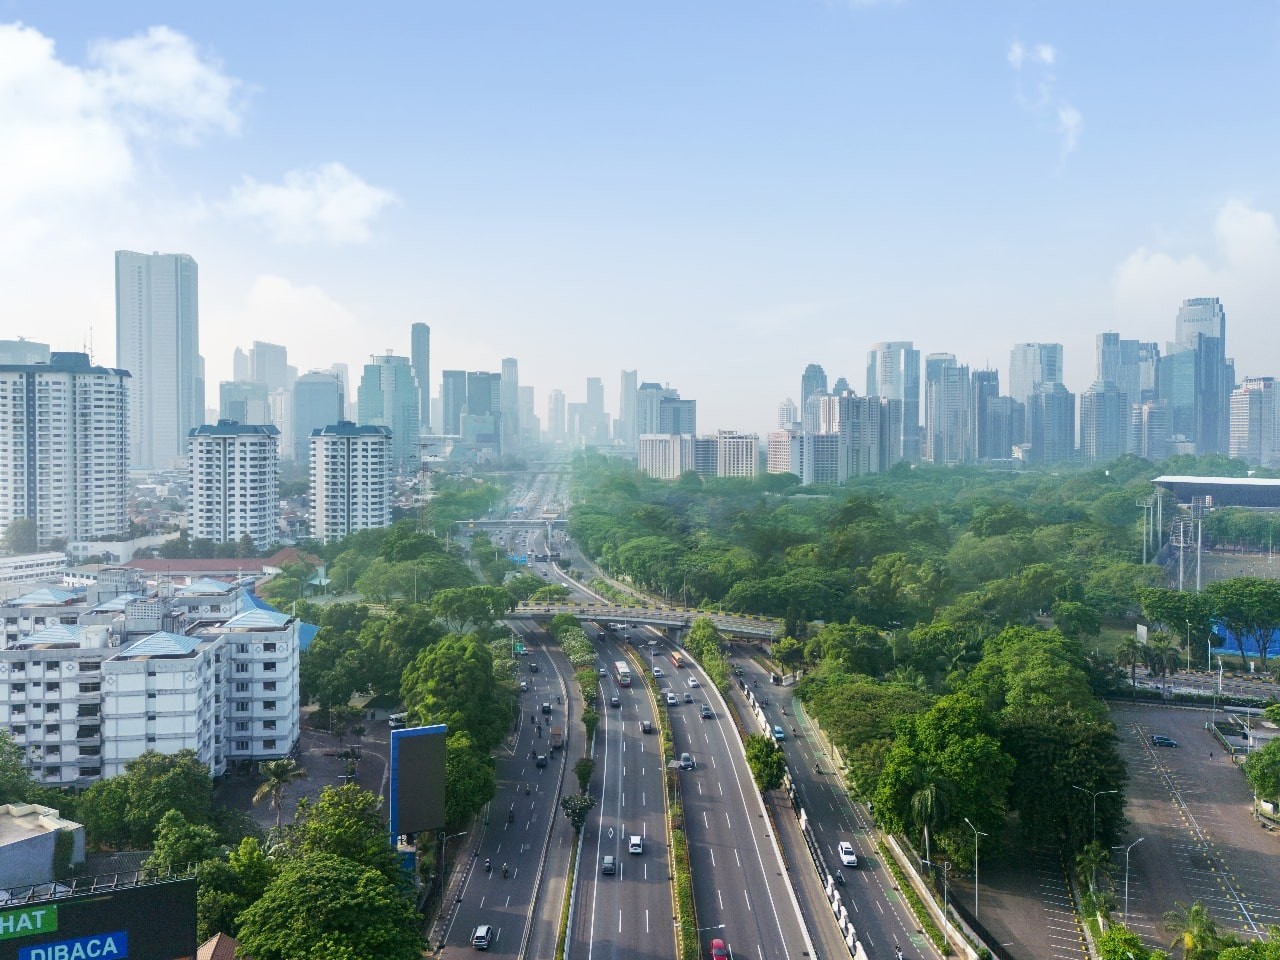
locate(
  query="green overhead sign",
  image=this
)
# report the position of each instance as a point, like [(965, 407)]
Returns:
[(28, 921)]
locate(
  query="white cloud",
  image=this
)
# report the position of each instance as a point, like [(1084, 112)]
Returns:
[(1046, 54), (1242, 266), (1070, 123), (1016, 55), (328, 203), (69, 133)]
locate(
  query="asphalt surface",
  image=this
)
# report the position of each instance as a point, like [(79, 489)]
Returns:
[(628, 915), (515, 830), (878, 912)]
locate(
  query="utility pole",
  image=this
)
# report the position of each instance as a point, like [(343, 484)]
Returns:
[(1182, 538), (976, 834)]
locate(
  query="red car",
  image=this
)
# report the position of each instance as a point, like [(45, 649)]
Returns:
[(718, 950)]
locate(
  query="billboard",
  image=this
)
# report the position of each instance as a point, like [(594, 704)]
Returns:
[(417, 779), (155, 921)]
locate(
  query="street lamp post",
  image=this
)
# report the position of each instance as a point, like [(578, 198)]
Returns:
[(1094, 794), (976, 834), (1188, 646), (946, 902), (1126, 876)]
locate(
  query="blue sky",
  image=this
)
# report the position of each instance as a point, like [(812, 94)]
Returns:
[(715, 193)]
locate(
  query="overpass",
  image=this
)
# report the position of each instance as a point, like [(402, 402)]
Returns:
[(678, 618), (524, 523)]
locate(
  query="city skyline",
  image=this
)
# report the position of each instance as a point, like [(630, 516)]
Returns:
[(794, 224)]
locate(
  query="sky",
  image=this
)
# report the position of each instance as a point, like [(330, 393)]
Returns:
[(714, 193)]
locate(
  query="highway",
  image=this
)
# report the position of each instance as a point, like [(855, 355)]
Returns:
[(877, 910), (628, 915), (531, 794), (739, 888)]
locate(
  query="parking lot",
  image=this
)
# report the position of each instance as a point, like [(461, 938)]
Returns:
[(1192, 809)]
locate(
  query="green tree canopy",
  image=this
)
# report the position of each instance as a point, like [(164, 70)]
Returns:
[(126, 811), (768, 765), (346, 822)]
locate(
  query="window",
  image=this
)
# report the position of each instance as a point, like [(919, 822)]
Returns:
[(269, 647), (242, 668), (242, 687), (268, 704), (241, 706), (269, 686), (268, 744), (242, 744), (268, 724), (242, 726), (269, 667), (52, 730)]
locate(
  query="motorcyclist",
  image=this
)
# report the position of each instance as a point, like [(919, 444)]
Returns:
[(488, 865), (504, 876)]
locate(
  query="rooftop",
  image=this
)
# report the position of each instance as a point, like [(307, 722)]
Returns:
[(19, 821), (162, 644)]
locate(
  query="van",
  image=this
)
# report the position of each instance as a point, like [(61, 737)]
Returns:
[(482, 937), (609, 865)]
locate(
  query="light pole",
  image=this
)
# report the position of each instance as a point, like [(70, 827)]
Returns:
[(1094, 794), (946, 902), (1188, 646), (1126, 876), (976, 834)]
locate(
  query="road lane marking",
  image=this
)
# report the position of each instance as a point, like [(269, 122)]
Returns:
[(720, 899)]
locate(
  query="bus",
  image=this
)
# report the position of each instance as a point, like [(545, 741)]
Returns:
[(622, 673), (677, 659)]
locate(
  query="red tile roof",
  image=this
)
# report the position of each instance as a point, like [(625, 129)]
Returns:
[(218, 947)]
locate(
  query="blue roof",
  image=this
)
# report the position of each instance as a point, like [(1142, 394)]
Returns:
[(58, 633), (306, 633), (46, 597), (205, 587), (163, 644), (257, 619)]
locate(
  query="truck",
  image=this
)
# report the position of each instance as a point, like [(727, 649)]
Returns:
[(557, 738)]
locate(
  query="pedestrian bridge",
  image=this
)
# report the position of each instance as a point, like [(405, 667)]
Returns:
[(730, 624), (524, 523)]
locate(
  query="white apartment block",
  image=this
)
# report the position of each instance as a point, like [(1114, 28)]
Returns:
[(64, 448), (352, 476), (778, 459), (665, 456), (27, 567), (235, 483), (90, 681), (737, 454)]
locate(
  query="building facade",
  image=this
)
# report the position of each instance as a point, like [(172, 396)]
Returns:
[(420, 359), (64, 448), (352, 478), (1255, 423), (317, 403), (235, 483), (893, 373), (1104, 423), (1031, 364), (388, 397)]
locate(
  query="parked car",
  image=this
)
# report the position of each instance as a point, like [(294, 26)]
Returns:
[(847, 856), (1161, 741)]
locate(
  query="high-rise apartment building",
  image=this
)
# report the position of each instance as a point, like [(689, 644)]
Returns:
[(64, 448), (1031, 364), (509, 406), (158, 342), (1149, 430), (269, 365), (1104, 423), (946, 421), (351, 479), (1052, 426), (235, 483), (649, 397), (737, 454), (317, 402), (857, 424), (665, 456), (893, 373), (1255, 422), (23, 352), (388, 397), (420, 359), (788, 414), (530, 424), (556, 417), (677, 416), (627, 401), (453, 400)]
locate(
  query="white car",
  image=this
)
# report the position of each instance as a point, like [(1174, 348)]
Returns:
[(671, 699), (693, 682), (657, 672), (847, 856), (636, 845)]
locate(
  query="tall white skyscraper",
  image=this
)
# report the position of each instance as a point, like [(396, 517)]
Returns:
[(351, 479), (893, 373), (626, 432), (1031, 364), (555, 416), (788, 414), (420, 359), (64, 459), (269, 365), (509, 405), (235, 483), (158, 342)]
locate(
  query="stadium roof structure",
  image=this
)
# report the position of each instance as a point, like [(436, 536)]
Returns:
[(1224, 491)]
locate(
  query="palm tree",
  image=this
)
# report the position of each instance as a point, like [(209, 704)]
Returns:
[(1129, 654), (928, 805), (1161, 658), (1089, 860), (1195, 929), (277, 774)]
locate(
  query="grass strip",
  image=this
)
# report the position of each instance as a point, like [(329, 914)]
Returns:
[(562, 939), (913, 899)]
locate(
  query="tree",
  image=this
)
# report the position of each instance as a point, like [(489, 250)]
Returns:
[(584, 768), (767, 763), (21, 536), (347, 822), (15, 782), (462, 609), (1262, 770), (1129, 654), (453, 682), (468, 780), (1194, 930), (576, 807), (1249, 607), (180, 844), (551, 593), (324, 905), (928, 807), (276, 776), (590, 720), (1120, 943), (1089, 861), (125, 811), (1074, 619)]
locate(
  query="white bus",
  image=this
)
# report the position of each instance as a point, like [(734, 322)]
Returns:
[(622, 673)]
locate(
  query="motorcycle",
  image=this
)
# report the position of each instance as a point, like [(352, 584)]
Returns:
[(511, 816), (504, 876), (488, 866)]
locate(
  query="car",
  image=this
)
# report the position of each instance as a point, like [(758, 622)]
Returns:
[(546, 708), (636, 845), (671, 699), (778, 733), (718, 950), (737, 671), (657, 672), (603, 672), (533, 668), (693, 682), (524, 686), (615, 702), (482, 937), (646, 726), (847, 856), (542, 760), (1161, 741), (706, 711), (688, 698), (775, 679), (609, 865), (686, 761)]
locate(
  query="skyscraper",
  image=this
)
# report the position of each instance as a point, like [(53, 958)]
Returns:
[(1104, 423), (388, 397), (509, 407), (530, 424), (626, 433), (269, 365), (420, 358), (158, 342), (788, 414), (235, 483), (243, 401), (1052, 428), (453, 398), (23, 352), (984, 387), (946, 422), (678, 416), (317, 403), (241, 371), (1031, 364), (351, 479), (893, 372), (596, 429), (1199, 387), (1255, 422), (1149, 430), (64, 448), (813, 381), (556, 416)]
